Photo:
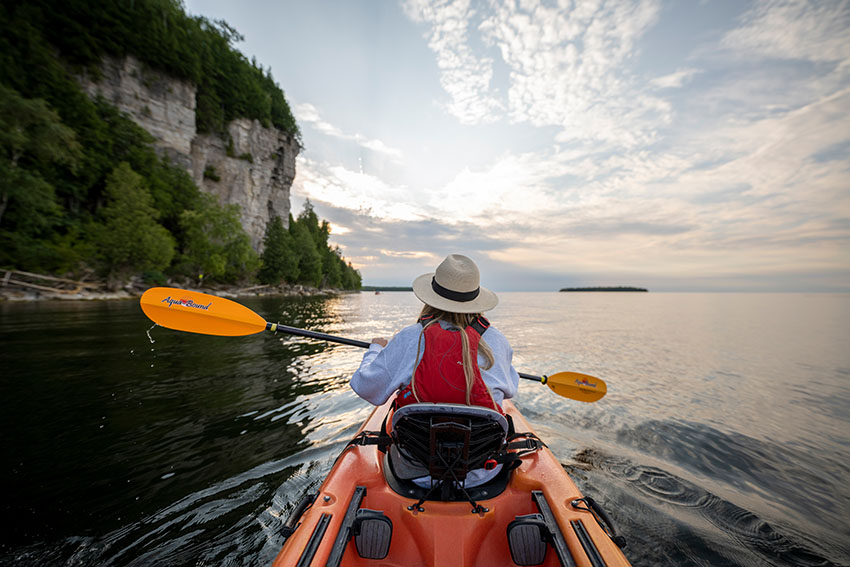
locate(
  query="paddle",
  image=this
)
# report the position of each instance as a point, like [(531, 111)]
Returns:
[(197, 312)]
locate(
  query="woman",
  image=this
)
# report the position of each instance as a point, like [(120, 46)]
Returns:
[(431, 360)]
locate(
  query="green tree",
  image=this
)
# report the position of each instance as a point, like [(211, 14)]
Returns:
[(130, 240), (32, 138), (310, 220), (50, 203), (309, 260), (215, 243), (331, 259), (332, 270), (350, 277), (279, 262)]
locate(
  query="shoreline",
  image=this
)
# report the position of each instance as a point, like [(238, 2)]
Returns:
[(17, 295)]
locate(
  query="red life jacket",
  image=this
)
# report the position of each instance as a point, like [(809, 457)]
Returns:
[(439, 377)]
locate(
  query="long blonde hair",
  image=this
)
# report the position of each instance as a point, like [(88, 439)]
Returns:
[(460, 321)]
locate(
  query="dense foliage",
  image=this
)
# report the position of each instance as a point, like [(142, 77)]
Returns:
[(161, 34), (81, 186), (279, 262), (129, 238), (302, 254), (215, 244)]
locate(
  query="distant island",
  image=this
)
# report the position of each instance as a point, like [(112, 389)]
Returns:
[(384, 288), (619, 288)]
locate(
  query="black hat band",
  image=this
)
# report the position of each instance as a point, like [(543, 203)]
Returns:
[(461, 296)]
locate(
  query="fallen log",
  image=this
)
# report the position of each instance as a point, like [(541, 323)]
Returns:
[(10, 273), (43, 287), (251, 288)]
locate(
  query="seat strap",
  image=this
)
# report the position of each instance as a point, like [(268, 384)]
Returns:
[(529, 444), (513, 451), (380, 438), (522, 443)]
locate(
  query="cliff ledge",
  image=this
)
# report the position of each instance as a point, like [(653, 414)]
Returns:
[(254, 168)]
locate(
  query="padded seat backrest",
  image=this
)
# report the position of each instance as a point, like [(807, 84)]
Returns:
[(448, 438)]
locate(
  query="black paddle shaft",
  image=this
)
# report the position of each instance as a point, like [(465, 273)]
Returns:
[(351, 342), (314, 335)]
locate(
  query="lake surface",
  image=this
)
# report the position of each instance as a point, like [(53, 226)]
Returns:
[(724, 439)]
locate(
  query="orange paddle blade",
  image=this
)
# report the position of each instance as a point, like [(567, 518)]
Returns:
[(196, 312), (577, 386)]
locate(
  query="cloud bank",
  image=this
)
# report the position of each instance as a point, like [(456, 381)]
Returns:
[(721, 167)]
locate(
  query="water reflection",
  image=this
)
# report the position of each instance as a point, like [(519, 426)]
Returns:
[(133, 429), (722, 441)]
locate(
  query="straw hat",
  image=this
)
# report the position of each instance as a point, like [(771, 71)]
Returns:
[(455, 287)]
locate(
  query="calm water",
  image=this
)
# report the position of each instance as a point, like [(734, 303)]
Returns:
[(724, 438)]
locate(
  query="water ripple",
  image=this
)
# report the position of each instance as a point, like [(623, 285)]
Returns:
[(703, 521), (723, 439), (225, 524)]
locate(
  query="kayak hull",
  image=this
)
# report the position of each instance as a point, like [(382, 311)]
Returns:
[(443, 533)]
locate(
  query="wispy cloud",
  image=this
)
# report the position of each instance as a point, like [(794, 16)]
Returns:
[(674, 80), (465, 76), (353, 190), (306, 113), (414, 254), (566, 67), (794, 29)]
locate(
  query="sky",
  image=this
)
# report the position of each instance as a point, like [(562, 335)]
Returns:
[(673, 145)]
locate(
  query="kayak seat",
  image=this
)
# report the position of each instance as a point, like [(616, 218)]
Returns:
[(409, 489), (447, 442)]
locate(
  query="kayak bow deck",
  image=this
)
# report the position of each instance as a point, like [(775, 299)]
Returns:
[(357, 518)]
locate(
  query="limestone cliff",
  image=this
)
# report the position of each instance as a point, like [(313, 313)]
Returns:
[(254, 169), (258, 182)]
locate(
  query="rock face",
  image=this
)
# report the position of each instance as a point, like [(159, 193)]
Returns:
[(253, 169), (258, 180), (160, 104)]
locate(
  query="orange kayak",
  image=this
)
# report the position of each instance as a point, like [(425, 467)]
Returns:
[(361, 516)]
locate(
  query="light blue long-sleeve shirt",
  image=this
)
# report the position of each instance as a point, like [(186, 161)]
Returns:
[(384, 370)]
